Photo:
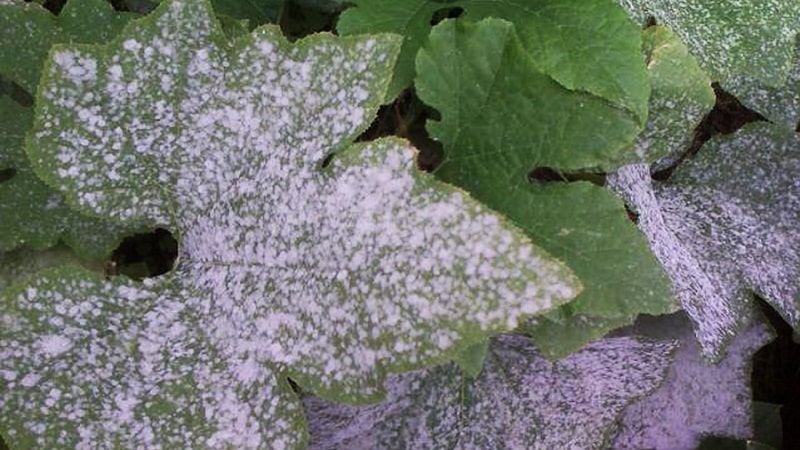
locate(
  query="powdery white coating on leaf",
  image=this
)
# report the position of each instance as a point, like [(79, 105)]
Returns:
[(332, 275), (730, 39), (519, 400), (696, 399), (726, 225)]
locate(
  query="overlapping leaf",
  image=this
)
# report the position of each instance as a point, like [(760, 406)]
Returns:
[(681, 95), (696, 399), (333, 272), (32, 213), (501, 117), (750, 37), (519, 400), (725, 225), (587, 46)]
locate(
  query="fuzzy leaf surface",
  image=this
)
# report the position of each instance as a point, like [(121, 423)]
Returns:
[(696, 399), (588, 46), (727, 38), (519, 400), (500, 118), (333, 271), (725, 226)]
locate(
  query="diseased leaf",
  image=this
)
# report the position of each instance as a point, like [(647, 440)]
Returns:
[(300, 254), (726, 225), (749, 37), (31, 213), (681, 95), (519, 400), (588, 46), (500, 118), (696, 399)]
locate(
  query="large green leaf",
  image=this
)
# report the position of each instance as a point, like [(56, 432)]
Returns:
[(725, 225), (696, 399), (519, 400), (500, 118), (584, 46), (20, 265), (748, 37), (300, 254)]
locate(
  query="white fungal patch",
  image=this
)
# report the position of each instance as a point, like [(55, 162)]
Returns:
[(724, 226), (519, 400), (333, 275)]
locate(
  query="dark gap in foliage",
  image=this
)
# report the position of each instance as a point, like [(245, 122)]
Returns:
[(405, 117), (54, 6), (544, 174), (797, 128), (446, 13), (145, 255), (776, 375), (633, 216), (16, 92), (135, 6), (650, 22), (295, 387), (7, 174), (727, 116), (3, 445), (327, 161), (299, 19)]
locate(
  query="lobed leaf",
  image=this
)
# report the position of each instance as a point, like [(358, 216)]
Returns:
[(725, 225), (300, 254), (519, 400), (500, 118)]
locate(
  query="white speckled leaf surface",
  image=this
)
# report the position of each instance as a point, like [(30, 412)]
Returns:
[(331, 274), (726, 225), (697, 398), (520, 400), (729, 39)]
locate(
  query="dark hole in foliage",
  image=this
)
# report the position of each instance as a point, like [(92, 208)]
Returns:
[(136, 6), (728, 115), (544, 174), (295, 387), (299, 19), (776, 375), (405, 117), (54, 6), (633, 216), (650, 22), (7, 174), (797, 128), (145, 255), (446, 13), (16, 92), (327, 161)]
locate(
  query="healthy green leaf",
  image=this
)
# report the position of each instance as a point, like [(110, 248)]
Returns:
[(585, 46), (300, 254), (696, 399), (749, 37), (500, 118), (681, 95), (519, 400), (726, 225)]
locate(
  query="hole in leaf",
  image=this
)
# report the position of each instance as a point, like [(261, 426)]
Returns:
[(54, 6), (446, 13), (776, 374), (7, 174), (728, 115), (145, 255), (650, 22), (544, 174), (135, 6)]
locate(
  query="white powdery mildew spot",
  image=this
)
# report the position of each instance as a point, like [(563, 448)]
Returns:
[(519, 400), (724, 226), (332, 275)]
